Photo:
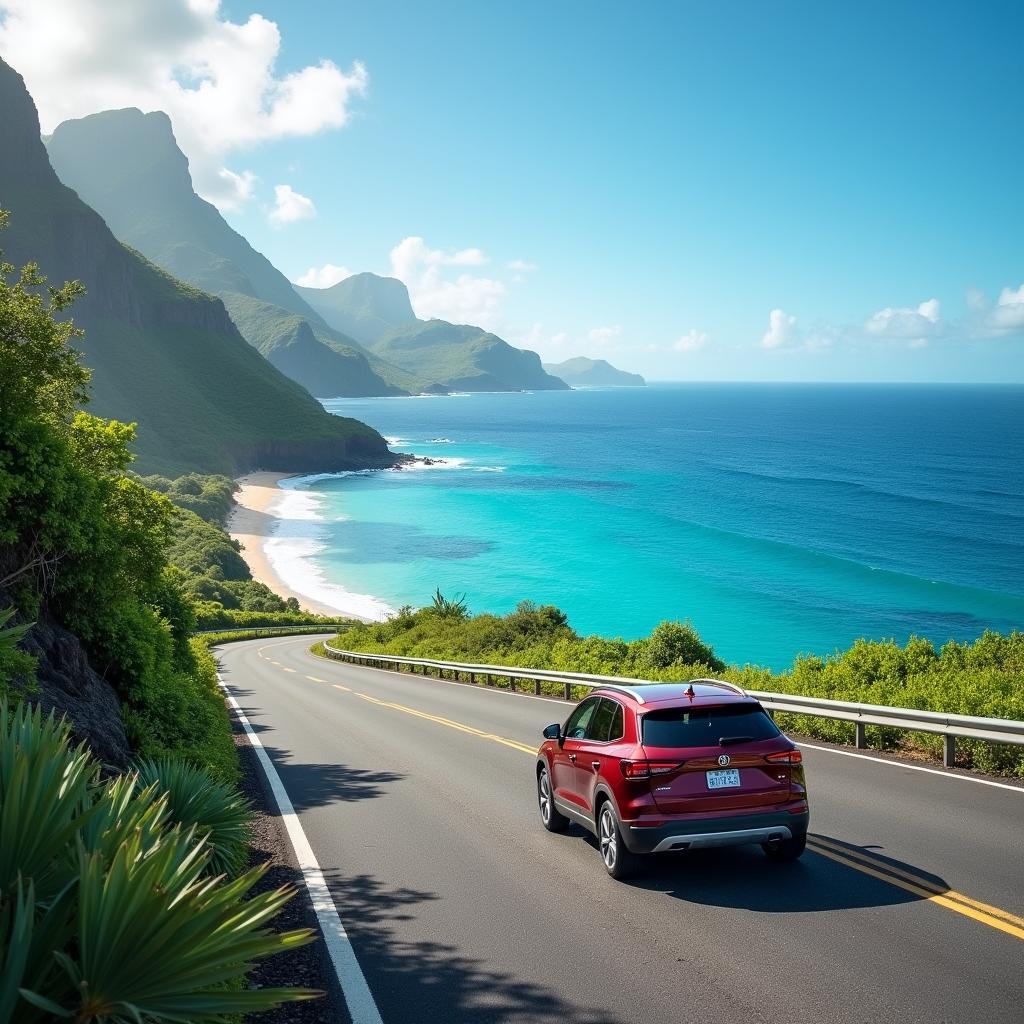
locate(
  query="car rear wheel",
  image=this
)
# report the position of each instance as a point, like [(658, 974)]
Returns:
[(553, 820), (786, 849), (619, 861)]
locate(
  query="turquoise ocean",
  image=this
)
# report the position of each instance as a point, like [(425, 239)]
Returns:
[(778, 519)]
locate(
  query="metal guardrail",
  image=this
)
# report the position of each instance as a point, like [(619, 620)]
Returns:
[(950, 727), (319, 627)]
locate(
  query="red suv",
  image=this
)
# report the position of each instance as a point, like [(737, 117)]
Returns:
[(673, 766)]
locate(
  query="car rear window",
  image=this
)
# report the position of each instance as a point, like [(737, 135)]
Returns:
[(706, 726)]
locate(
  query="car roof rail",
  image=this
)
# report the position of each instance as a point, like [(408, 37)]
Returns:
[(629, 691), (721, 682)]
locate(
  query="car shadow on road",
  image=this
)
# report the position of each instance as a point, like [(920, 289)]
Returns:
[(430, 980), (831, 875)]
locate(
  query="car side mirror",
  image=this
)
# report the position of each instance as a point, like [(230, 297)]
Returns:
[(553, 732)]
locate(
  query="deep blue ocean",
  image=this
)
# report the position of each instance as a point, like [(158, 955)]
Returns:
[(779, 519)]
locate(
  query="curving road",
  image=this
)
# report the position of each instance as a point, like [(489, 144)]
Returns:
[(417, 797)]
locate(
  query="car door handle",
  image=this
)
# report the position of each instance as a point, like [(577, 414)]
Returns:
[(572, 757), (596, 765)]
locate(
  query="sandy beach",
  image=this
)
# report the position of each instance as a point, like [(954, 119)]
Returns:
[(251, 523)]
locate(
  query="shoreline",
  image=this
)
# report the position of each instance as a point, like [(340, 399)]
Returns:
[(252, 522)]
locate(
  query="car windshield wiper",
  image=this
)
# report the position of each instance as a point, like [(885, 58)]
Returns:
[(727, 741)]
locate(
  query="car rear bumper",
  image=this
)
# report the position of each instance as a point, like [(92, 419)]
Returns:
[(701, 833)]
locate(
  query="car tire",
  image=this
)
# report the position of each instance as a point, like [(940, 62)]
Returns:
[(619, 861), (784, 850), (552, 819)]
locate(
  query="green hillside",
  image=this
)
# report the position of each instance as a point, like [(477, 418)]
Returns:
[(582, 372), (454, 357), (366, 306), (128, 167), (324, 361), (464, 358), (163, 354)]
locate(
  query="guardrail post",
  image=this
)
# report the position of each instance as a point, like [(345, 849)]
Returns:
[(860, 740), (536, 687), (949, 750), (472, 678), (568, 691)]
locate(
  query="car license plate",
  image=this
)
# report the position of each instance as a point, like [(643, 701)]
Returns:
[(727, 779)]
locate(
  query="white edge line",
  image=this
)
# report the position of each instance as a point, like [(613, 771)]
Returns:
[(809, 746), (911, 767), (361, 1006)]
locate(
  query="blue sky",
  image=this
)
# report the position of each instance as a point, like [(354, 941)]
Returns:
[(662, 176)]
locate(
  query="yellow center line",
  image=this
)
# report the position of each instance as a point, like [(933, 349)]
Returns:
[(284, 668), (992, 920), (338, 686), (316, 679), (950, 899), (452, 725), (821, 844)]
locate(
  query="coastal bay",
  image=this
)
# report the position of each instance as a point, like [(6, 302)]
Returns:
[(778, 519)]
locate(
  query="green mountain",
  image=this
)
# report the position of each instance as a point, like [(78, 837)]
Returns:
[(452, 357), (163, 354), (463, 358), (324, 361), (594, 373), (366, 306), (127, 166)]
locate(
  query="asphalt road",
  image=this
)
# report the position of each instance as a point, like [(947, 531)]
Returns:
[(418, 799)]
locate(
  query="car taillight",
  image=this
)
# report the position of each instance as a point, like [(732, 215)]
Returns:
[(785, 757), (645, 769)]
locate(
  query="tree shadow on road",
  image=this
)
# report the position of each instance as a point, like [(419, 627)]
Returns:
[(434, 981), (317, 785)]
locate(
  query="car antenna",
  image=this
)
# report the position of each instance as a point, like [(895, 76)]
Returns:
[(689, 692)]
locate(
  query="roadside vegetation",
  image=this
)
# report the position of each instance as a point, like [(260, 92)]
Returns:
[(208, 564), (981, 678), (122, 896)]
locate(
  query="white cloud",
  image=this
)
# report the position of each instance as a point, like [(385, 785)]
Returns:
[(217, 79), (323, 277), (552, 347), (290, 206), (1008, 313), (234, 189), (466, 298), (520, 266), (995, 320), (691, 341), (782, 330), (602, 337), (904, 323)]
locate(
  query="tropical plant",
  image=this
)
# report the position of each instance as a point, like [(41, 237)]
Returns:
[(108, 910), (450, 608), (217, 811)]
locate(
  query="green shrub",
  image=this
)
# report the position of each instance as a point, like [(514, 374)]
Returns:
[(16, 666), (215, 617), (196, 799), (983, 678), (107, 913), (209, 497)]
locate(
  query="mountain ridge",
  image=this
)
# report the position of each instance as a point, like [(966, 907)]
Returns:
[(127, 165), (583, 372), (163, 354), (377, 311)]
